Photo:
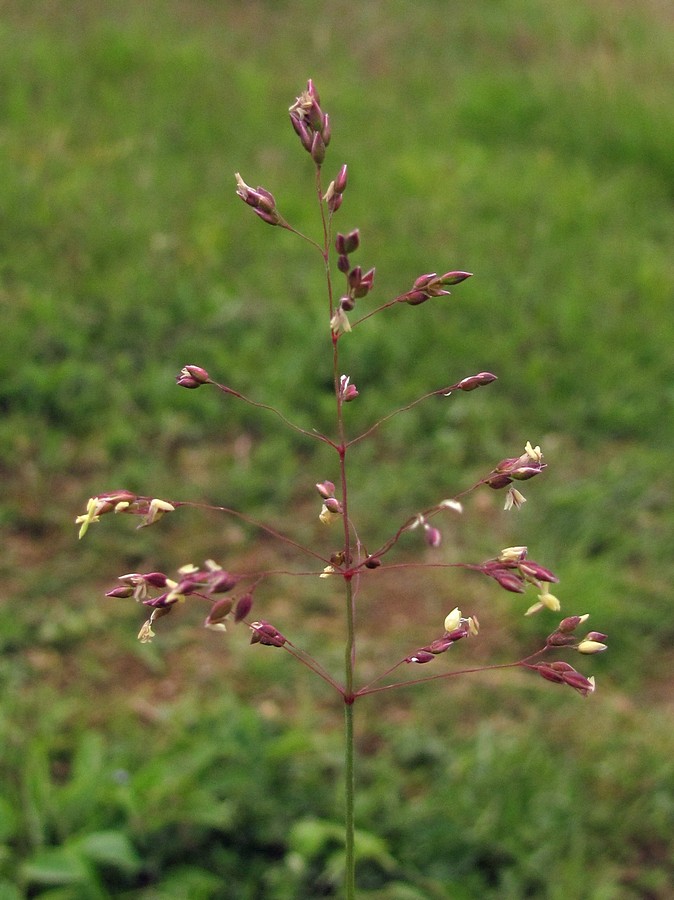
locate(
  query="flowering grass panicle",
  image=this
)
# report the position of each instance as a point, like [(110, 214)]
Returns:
[(229, 595)]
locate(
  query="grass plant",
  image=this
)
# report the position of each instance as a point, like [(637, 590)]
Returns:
[(537, 136)]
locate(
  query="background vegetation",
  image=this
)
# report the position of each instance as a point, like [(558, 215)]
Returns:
[(527, 141)]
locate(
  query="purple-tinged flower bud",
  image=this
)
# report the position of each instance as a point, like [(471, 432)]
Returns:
[(162, 601), (189, 585), (562, 673), (354, 277), (365, 284), (570, 623), (454, 277), (352, 241), (260, 200), (326, 489), (243, 607), (333, 505), (580, 683), (524, 473), (432, 536), (156, 579), (558, 639), (340, 181), (458, 634), (507, 579), (122, 592), (343, 263), (264, 633), (533, 572), (315, 118), (301, 131), (497, 481), (560, 666), (219, 611), (264, 200), (414, 298), (475, 381), (318, 149), (520, 468), (192, 377), (347, 303), (326, 129), (222, 582), (421, 657), (441, 645), (335, 202), (423, 281), (595, 636), (269, 218), (545, 670), (372, 562)]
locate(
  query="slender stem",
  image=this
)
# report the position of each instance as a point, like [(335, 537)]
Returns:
[(279, 536), (299, 234), (349, 658), (395, 413), (349, 593), (373, 312), (440, 676), (308, 661), (312, 434), (350, 787)]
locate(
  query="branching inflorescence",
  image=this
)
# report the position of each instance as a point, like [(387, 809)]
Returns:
[(228, 597)]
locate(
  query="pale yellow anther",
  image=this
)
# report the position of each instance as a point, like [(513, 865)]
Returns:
[(90, 516), (512, 554), (533, 452), (157, 509), (453, 620), (549, 600), (534, 608), (590, 647), (146, 633), (327, 516), (514, 498), (339, 323)]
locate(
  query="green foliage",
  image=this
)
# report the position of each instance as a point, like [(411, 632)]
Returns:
[(218, 795), (527, 142)]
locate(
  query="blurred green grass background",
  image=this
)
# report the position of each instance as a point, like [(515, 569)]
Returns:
[(528, 142)]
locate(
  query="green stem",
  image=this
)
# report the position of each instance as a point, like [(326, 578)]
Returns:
[(349, 596), (349, 664), (349, 772)]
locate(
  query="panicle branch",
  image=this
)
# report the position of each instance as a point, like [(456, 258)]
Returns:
[(229, 596)]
